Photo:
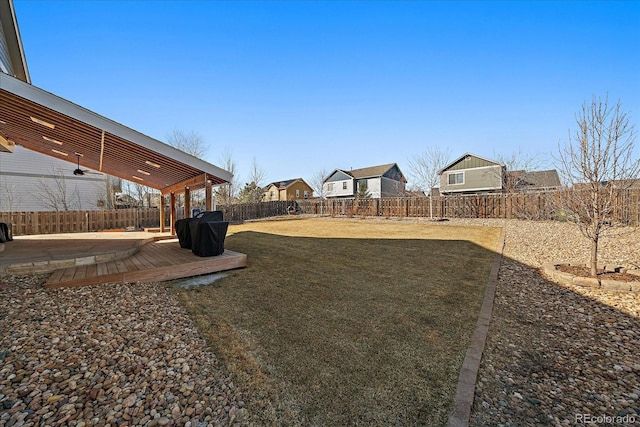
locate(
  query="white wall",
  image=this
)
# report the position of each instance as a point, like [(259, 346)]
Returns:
[(29, 179), (338, 188), (375, 188)]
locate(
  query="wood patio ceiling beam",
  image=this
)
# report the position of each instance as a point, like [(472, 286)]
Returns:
[(105, 145), (191, 183)]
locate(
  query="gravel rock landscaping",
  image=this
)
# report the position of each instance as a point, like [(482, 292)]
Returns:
[(106, 355), (129, 355), (557, 354)]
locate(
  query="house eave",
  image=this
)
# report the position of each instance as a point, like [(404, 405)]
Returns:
[(444, 169), (96, 137), (14, 41)]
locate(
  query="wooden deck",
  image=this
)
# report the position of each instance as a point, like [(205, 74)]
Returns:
[(154, 262)]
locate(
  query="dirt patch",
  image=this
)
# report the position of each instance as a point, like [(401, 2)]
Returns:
[(602, 275)]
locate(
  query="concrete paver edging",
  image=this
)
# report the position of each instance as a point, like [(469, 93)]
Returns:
[(552, 272), (465, 390)]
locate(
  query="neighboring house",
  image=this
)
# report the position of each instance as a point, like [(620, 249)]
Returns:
[(415, 193), (31, 182), (435, 192), (533, 181), (470, 173), (380, 181), (290, 189)]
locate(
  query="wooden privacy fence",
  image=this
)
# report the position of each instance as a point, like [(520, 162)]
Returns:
[(241, 212), (533, 206), (25, 223)]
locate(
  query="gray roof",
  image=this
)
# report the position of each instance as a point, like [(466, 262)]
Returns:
[(536, 179), (284, 184), (368, 172)]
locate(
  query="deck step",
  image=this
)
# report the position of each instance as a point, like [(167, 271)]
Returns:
[(155, 262)]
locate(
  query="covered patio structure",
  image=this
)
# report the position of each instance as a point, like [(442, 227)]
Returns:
[(43, 122), (48, 124)]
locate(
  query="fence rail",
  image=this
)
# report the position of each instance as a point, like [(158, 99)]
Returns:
[(25, 223), (245, 211), (533, 206)]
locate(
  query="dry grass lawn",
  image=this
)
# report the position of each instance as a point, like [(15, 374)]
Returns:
[(347, 322)]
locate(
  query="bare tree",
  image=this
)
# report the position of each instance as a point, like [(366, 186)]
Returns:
[(113, 186), (252, 192), (11, 194), (257, 176), (517, 165), (226, 194), (144, 195), (134, 193), (424, 168), (317, 182), (55, 194), (191, 143), (597, 162)]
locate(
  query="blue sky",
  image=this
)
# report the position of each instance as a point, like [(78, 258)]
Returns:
[(306, 86)]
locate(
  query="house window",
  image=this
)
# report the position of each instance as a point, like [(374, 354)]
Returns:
[(330, 187), (344, 185), (306, 194), (297, 194), (456, 178), (272, 193)]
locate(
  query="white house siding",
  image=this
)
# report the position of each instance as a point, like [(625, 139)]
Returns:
[(26, 178), (5, 63), (339, 189), (374, 187)]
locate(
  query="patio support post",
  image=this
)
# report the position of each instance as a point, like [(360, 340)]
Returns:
[(161, 207), (187, 202), (172, 212), (208, 196)]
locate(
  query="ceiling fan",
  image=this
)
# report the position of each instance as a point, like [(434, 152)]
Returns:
[(80, 172)]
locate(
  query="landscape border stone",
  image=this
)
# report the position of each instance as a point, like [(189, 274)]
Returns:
[(551, 271), (465, 390)]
